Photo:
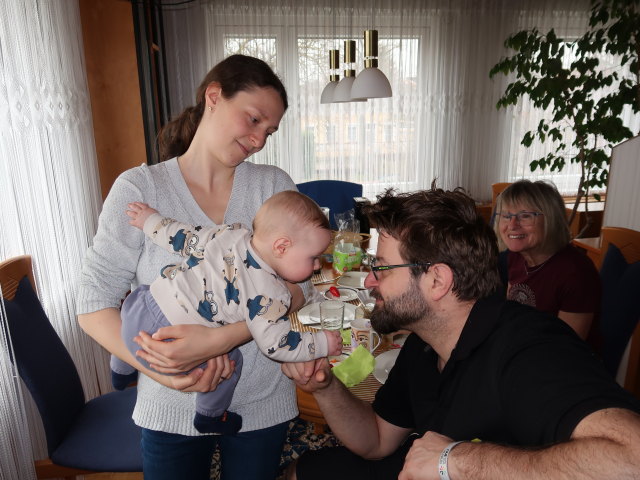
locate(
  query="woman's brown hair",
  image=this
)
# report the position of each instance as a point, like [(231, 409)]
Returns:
[(234, 74)]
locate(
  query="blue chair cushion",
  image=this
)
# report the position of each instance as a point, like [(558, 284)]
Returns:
[(104, 437), (336, 194), (99, 435), (620, 309), (44, 364)]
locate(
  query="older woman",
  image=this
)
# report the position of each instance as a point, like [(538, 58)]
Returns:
[(544, 270)]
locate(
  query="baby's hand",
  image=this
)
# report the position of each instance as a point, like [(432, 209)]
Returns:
[(334, 342), (139, 212)]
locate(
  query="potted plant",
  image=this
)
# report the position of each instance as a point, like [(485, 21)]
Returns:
[(584, 100)]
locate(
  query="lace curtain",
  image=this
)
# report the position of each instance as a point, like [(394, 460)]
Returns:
[(441, 121), (49, 190)]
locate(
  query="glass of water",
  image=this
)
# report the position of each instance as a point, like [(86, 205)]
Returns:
[(331, 315)]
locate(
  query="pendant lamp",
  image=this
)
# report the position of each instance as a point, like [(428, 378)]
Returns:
[(371, 82), (342, 93), (327, 93)]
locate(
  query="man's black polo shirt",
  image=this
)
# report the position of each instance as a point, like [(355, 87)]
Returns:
[(516, 376)]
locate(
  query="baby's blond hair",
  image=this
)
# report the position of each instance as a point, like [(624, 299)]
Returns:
[(289, 211)]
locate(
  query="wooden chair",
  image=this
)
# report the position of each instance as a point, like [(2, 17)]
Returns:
[(628, 242), (496, 189), (83, 438)]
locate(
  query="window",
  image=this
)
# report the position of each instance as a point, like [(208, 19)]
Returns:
[(352, 136), (370, 135), (441, 122), (326, 140), (388, 133), (528, 118), (330, 136)]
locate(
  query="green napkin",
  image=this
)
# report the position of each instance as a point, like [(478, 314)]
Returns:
[(356, 367)]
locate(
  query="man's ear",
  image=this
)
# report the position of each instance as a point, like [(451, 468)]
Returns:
[(280, 246), (212, 93), (440, 282)]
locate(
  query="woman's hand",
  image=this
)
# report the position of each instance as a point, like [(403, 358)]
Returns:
[(206, 379), (177, 348), (190, 345)]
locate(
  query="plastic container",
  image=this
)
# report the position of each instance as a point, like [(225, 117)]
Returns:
[(347, 254)]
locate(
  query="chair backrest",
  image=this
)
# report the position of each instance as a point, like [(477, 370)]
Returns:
[(43, 362), (496, 189), (620, 312), (14, 270), (337, 195), (627, 241)]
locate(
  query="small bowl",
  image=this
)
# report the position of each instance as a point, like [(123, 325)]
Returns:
[(346, 294)]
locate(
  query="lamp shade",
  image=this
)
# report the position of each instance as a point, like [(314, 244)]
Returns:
[(342, 93), (371, 83), (327, 93)]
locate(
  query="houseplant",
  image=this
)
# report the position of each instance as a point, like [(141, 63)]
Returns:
[(583, 99)]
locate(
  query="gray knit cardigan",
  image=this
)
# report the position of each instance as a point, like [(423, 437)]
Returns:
[(121, 258)]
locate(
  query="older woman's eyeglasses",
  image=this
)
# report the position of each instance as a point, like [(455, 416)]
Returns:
[(524, 218), (376, 269)]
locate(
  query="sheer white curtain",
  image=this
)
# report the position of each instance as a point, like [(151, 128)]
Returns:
[(441, 121), (49, 191)]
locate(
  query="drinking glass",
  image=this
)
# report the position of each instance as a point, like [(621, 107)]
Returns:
[(331, 315)]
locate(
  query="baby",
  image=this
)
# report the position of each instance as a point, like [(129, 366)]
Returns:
[(230, 275)]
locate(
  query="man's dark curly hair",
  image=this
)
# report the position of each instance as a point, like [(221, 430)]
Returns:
[(439, 226)]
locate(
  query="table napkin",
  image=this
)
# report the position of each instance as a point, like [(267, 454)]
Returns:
[(356, 367)]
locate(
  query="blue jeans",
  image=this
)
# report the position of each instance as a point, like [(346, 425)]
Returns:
[(248, 455)]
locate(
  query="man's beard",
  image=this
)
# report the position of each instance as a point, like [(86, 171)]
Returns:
[(399, 312)]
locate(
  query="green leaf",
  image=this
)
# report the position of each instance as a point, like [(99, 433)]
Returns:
[(585, 101), (555, 134), (517, 40)]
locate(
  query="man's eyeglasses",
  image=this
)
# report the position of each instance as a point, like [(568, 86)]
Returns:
[(382, 268), (524, 218)]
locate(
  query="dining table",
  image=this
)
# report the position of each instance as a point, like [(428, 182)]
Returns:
[(366, 390)]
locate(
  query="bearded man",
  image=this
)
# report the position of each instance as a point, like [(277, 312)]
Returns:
[(483, 388)]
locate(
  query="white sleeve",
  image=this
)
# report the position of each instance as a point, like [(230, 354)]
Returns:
[(180, 238)]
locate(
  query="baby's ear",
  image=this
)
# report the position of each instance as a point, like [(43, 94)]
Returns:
[(280, 246)]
